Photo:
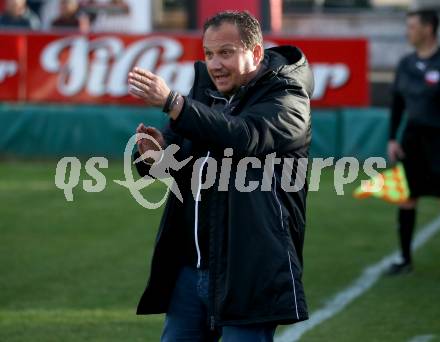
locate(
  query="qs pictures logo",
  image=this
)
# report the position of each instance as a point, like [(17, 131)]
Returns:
[(159, 171)]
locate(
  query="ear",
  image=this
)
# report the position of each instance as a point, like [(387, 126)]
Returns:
[(258, 54)]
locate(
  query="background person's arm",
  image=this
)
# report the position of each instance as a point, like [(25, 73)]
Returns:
[(395, 151)]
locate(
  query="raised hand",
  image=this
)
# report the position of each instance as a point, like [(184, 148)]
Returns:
[(147, 86)]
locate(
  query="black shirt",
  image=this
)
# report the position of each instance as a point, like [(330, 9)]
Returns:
[(416, 90)]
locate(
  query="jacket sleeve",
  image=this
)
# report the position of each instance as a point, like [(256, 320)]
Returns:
[(397, 105), (278, 122)]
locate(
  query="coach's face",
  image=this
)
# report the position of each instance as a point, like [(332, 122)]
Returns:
[(230, 65)]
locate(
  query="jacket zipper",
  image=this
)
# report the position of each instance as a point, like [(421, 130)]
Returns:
[(212, 270), (213, 234), (196, 212)]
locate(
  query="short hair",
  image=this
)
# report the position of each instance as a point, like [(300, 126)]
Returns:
[(427, 17), (248, 26)]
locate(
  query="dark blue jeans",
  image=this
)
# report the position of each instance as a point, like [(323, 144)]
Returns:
[(187, 320)]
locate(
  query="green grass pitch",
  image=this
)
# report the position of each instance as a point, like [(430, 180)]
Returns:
[(73, 271)]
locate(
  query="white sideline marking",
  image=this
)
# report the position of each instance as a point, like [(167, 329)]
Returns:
[(422, 338), (367, 279)]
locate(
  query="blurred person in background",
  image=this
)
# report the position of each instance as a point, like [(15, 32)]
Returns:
[(416, 91), (71, 17), (111, 15), (18, 15)]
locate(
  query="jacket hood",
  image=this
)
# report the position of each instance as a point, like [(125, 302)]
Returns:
[(285, 56), (290, 63)]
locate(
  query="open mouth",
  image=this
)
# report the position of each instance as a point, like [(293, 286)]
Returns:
[(221, 78)]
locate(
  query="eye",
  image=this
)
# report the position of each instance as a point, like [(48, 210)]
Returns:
[(208, 54), (226, 53)]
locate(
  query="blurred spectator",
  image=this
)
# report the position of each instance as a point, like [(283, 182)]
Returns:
[(105, 6), (109, 15), (71, 17), (35, 6), (18, 14), (121, 16)]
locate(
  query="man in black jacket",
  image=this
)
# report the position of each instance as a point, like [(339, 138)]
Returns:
[(228, 258), (416, 91)]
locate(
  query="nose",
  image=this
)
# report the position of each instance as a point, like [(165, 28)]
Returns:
[(215, 63)]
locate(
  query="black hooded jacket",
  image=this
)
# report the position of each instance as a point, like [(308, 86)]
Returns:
[(255, 238)]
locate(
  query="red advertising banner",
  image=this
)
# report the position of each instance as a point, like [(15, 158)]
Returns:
[(206, 9), (94, 68), (11, 67), (340, 69)]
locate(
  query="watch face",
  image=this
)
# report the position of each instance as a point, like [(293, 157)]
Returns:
[(432, 77)]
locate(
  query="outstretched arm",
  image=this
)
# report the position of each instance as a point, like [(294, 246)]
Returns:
[(279, 122)]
